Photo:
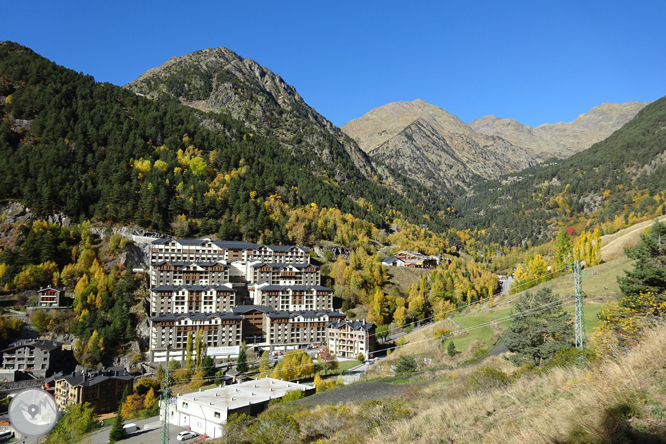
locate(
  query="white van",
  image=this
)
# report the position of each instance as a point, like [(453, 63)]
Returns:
[(130, 428)]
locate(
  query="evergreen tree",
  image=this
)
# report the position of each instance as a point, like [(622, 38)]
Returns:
[(117, 431), (543, 331), (208, 367), (451, 349), (241, 362), (649, 273)]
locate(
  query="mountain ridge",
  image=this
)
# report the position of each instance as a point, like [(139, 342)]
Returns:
[(380, 133), (562, 139)]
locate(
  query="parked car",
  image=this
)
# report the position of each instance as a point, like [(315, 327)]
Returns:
[(130, 428), (184, 436)]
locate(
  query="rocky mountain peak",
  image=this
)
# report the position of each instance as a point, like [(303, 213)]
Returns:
[(220, 80)]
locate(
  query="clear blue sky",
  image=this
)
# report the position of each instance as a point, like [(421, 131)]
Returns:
[(534, 61)]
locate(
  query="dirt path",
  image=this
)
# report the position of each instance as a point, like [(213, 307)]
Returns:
[(624, 238)]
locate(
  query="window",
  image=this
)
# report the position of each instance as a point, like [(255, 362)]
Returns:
[(184, 405), (217, 414)]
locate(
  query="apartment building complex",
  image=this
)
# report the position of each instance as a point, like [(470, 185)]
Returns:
[(206, 284), (101, 389)]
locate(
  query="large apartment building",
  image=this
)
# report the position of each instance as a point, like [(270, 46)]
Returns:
[(192, 299), (168, 338)]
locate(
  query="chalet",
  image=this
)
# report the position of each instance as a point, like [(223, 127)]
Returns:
[(52, 297), (413, 259)]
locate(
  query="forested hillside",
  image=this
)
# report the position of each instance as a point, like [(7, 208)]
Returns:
[(98, 151), (614, 183)]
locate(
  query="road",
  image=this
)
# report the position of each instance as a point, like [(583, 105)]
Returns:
[(149, 433)]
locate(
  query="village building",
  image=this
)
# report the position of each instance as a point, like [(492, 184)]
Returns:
[(101, 389), (413, 259), (392, 261), (52, 297), (206, 411), (39, 358), (346, 339)]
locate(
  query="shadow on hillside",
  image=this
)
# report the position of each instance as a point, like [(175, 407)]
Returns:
[(616, 428)]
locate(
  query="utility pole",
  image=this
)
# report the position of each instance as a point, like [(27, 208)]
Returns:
[(165, 407), (580, 320)]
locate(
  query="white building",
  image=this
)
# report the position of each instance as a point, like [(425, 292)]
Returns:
[(205, 412), (347, 339)]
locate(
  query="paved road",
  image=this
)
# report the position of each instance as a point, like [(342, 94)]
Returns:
[(149, 433)]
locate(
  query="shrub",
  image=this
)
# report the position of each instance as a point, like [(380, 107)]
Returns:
[(486, 378), (198, 381), (361, 358), (409, 329), (437, 334), (274, 428), (570, 357), (525, 370), (405, 365), (480, 353), (293, 395)]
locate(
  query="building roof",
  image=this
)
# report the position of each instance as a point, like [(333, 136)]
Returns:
[(194, 316), (391, 260), (280, 266), (246, 308), (51, 288), (283, 248), (44, 345), (87, 379), (356, 325), (218, 287), (233, 245), (294, 287), (305, 314), (231, 397)]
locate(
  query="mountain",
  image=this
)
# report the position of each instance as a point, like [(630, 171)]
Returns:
[(98, 151), (434, 147), (219, 80), (561, 140), (614, 183)]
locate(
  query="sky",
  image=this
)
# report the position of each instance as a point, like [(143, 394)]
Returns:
[(533, 61)]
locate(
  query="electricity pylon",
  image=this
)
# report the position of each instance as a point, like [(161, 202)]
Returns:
[(165, 408), (580, 320)]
